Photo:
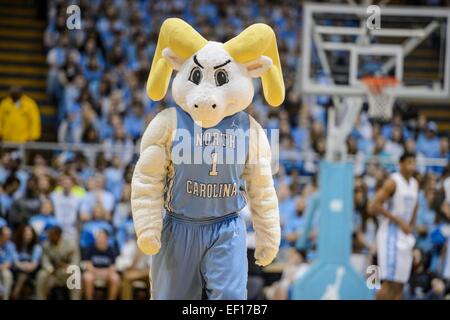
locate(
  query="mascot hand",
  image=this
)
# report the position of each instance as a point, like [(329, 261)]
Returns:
[(148, 243), (265, 256)]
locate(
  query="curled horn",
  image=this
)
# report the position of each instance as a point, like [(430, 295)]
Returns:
[(184, 41), (255, 41)]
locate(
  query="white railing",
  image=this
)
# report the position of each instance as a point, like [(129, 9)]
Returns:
[(294, 155), (62, 146), (90, 150)]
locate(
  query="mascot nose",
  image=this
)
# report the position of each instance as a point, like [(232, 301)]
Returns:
[(205, 106)]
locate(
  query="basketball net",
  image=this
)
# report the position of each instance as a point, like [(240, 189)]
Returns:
[(381, 101)]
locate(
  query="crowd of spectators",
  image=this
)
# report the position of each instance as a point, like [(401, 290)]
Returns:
[(52, 218), (73, 207)]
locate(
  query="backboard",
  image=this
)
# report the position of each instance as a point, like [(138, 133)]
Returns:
[(343, 43)]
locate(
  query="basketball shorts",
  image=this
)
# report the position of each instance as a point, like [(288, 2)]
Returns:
[(198, 258), (395, 253)]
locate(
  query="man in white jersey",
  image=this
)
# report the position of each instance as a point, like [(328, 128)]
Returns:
[(445, 227), (395, 240)]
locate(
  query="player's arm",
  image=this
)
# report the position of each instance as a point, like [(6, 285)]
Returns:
[(262, 196), (147, 186), (382, 195)]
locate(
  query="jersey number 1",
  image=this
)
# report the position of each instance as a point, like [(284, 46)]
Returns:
[(213, 171)]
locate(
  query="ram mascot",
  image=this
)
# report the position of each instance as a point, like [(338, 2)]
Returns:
[(203, 160)]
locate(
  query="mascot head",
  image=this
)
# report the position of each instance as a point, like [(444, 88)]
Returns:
[(214, 79)]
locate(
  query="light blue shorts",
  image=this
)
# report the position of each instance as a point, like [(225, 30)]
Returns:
[(196, 256)]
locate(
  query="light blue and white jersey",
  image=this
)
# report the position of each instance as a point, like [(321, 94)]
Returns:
[(404, 199), (394, 247), (206, 174)]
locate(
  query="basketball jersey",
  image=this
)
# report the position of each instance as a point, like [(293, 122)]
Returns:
[(405, 197), (205, 178), (394, 248)]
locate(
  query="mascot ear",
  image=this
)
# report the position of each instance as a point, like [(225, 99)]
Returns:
[(183, 42), (258, 67), (251, 45), (175, 61)]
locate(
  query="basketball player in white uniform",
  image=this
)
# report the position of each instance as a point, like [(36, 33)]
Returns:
[(396, 201), (445, 228)]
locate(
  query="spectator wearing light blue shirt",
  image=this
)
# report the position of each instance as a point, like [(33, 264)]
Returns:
[(114, 178), (125, 232), (90, 228), (27, 259), (294, 223), (96, 194), (426, 217), (10, 187), (428, 143), (122, 211), (42, 221), (134, 120), (7, 258), (121, 145), (92, 70), (286, 206), (444, 154)]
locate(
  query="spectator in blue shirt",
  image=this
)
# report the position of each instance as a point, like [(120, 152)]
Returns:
[(286, 203), (444, 153), (134, 121), (92, 70), (426, 217), (444, 148), (100, 261), (42, 221), (90, 228), (96, 193), (122, 211), (114, 178), (7, 257), (7, 192), (428, 143), (293, 225), (125, 232), (27, 259)]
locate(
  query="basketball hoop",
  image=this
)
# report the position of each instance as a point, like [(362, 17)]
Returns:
[(381, 101)]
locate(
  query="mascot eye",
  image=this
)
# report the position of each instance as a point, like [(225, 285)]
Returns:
[(221, 77), (196, 75)]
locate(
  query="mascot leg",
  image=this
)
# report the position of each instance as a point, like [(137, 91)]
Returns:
[(175, 271), (201, 255), (224, 266)]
